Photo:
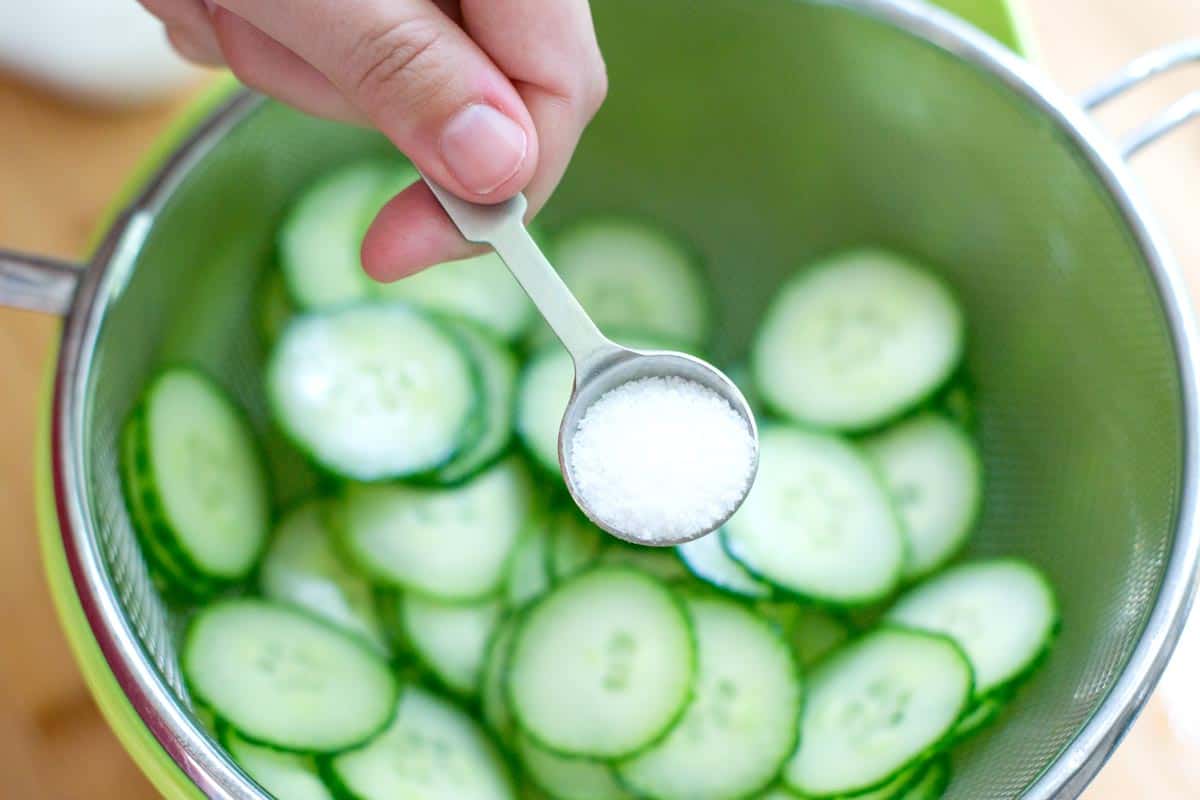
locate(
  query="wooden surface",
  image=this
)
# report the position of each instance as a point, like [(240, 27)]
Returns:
[(59, 165)]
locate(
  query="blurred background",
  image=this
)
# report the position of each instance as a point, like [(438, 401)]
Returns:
[(81, 103)]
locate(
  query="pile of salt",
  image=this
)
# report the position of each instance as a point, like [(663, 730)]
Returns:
[(661, 458)]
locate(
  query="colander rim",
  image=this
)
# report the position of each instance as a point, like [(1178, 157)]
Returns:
[(201, 758)]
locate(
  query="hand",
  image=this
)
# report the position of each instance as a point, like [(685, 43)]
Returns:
[(488, 97)]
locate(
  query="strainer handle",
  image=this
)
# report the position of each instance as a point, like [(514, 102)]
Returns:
[(1137, 72), (36, 283)]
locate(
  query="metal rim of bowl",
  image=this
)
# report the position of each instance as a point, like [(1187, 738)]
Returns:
[(217, 776)]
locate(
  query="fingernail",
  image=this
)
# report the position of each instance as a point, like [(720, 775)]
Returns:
[(483, 148)]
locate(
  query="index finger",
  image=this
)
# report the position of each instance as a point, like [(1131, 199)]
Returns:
[(548, 49)]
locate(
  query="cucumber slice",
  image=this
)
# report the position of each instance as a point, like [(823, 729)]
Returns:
[(707, 560), (431, 750), (203, 491), (817, 522), (285, 775), (285, 679), (543, 391), (1001, 612), (569, 778), (528, 575), (373, 392), (741, 725), (497, 369), (934, 476), (480, 289), (398, 534), (302, 569), (169, 569), (857, 340), (320, 240), (603, 665), (875, 708), (816, 633), (451, 639), (632, 275), (574, 544), (493, 697), (933, 782)]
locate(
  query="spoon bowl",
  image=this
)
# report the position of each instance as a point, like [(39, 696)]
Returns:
[(618, 366)]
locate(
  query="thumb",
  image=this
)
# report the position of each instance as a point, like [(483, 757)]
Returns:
[(420, 79)]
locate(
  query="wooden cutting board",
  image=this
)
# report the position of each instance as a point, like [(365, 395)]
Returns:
[(59, 165)]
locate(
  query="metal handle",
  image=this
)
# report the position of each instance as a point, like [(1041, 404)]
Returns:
[(537, 276), (1135, 74), (502, 226), (35, 283)]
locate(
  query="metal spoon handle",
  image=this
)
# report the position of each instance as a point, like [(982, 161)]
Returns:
[(537, 276), (502, 226)]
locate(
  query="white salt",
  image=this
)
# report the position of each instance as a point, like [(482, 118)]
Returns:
[(661, 458)]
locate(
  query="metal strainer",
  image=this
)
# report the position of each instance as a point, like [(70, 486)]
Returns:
[(768, 132)]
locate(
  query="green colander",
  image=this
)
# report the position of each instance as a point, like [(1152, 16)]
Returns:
[(769, 131)]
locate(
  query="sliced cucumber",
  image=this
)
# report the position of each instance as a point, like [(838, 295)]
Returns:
[(320, 240), (431, 750), (817, 522), (284, 775), (815, 633), (497, 369), (493, 696), (451, 543), (171, 572), (603, 665), (934, 475), (741, 725), (285, 679), (1001, 612), (857, 340), (875, 708), (373, 392), (302, 568), (574, 544), (632, 275), (202, 488), (480, 289), (543, 391), (451, 639), (566, 778), (707, 560), (528, 575)]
